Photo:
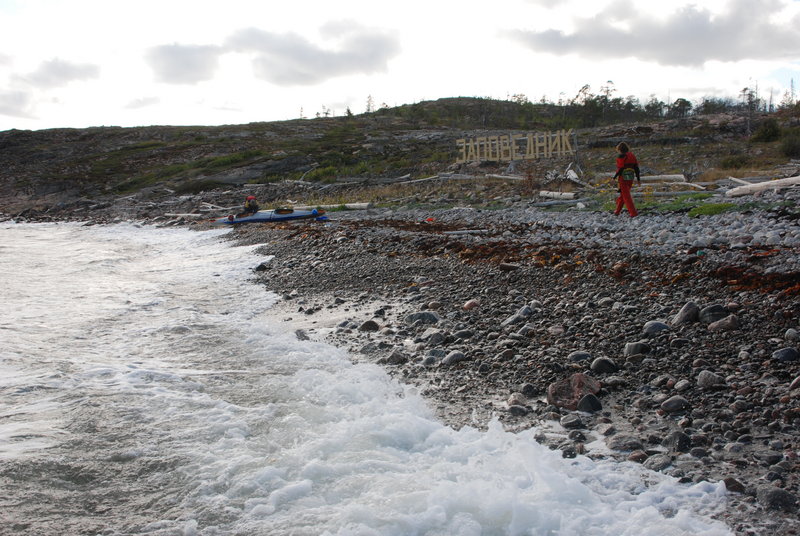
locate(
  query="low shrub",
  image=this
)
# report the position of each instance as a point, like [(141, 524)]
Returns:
[(736, 161), (769, 131), (790, 146)]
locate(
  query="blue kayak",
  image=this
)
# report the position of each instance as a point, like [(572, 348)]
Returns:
[(279, 214)]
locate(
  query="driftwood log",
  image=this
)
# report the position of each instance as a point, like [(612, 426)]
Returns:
[(557, 195), (763, 186)]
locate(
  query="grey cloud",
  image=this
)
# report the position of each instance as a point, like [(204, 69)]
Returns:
[(290, 59), (58, 72), (183, 64), (690, 36), (15, 104)]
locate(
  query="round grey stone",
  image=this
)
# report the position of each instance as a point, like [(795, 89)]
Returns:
[(654, 326), (369, 325), (604, 365), (712, 313), (579, 355), (786, 355), (453, 357), (658, 462), (708, 380), (674, 404)]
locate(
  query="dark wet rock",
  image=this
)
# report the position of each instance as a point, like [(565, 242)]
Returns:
[(637, 456), (698, 452), (590, 404), (424, 317), (733, 485), (571, 421), (679, 342), (369, 325), (509, 267), (774, 498), (688, 313), (301, 335), (454, 357), (576, 435), (677, 441), (464, 334), (518, 410), (712, 313), (528, 390), (604, 365), (675, 404), (429, 361), (658, 462), (625, 443), (635, 348), (397, 357), (566, 393), (786, 355)]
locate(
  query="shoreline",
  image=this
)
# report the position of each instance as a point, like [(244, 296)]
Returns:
[(485, 323)]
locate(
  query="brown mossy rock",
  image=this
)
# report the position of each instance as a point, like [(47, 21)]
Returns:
[(568, 392)]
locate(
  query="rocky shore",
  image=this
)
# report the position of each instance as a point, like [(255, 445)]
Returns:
[(662, 340)]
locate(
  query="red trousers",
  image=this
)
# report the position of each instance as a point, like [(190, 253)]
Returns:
[(625, 198)]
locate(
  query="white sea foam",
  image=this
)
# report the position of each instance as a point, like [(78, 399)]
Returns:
[(153, 343)]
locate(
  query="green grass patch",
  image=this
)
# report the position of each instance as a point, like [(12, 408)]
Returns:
[(711, 209)]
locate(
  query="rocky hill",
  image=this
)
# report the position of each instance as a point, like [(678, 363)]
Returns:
[(135, 172)]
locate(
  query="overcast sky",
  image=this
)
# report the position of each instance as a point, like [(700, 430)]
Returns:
[(79, 63)]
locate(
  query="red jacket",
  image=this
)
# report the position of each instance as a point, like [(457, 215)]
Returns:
[(627, 160)]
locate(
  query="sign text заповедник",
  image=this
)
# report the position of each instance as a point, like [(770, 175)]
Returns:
[(505, 148)]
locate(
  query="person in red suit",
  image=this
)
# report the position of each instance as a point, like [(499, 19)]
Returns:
[(627, 170)]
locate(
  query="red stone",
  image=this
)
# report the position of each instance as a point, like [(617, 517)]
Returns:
[(566, 393)]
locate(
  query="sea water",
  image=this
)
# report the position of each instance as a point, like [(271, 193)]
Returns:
[(146, 389)]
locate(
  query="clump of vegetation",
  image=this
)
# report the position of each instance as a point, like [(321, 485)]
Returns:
[(711, 209), (736, 161), (769, 131), (790, 146)]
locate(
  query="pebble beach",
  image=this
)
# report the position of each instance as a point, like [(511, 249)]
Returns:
[(662, 340)]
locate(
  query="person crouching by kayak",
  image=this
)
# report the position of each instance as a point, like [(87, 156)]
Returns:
[(627, 170), (250, 205)]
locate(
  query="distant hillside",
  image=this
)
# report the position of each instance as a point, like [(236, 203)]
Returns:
[(59, 165)]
